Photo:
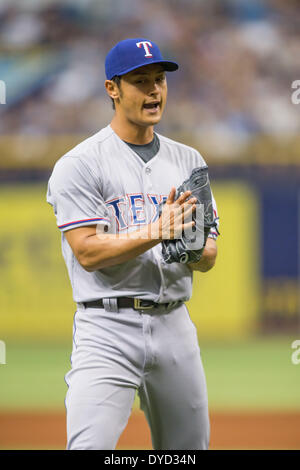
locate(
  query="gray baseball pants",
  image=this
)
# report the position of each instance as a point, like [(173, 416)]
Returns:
[(120, 351)]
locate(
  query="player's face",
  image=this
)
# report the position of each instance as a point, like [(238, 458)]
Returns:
[(143, 95)]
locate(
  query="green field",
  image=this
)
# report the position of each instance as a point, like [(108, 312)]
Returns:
[(256, 374)]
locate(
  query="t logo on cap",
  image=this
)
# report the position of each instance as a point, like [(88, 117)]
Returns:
[(132, 53), (146, 45)]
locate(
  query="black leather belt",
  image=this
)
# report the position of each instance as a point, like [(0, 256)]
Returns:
[(132, 302)]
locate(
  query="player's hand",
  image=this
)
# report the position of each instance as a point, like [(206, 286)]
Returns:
[(174, 216)]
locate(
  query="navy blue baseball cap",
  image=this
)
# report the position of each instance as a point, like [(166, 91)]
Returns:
[(130, 54)]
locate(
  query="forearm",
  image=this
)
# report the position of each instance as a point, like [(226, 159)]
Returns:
[(111, 249), (100, 250), (208, 258)]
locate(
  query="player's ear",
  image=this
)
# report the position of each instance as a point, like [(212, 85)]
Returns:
[(112, 89)]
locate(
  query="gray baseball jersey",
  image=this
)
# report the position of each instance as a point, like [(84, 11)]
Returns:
[(103, 181), (117, 351)]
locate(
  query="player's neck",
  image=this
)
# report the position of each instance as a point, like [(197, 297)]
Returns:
[(132, 133)]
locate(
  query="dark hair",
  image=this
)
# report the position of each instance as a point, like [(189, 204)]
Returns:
[(117, 80)]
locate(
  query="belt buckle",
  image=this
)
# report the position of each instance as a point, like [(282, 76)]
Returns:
[(137, 305)]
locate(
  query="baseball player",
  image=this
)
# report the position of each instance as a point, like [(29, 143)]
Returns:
[(132, 331)]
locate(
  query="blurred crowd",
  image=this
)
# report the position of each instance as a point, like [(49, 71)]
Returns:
[(237, 58)]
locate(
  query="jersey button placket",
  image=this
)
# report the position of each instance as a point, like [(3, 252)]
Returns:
[(148, 189)]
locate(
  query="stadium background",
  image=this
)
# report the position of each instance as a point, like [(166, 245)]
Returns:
[(231, 99)]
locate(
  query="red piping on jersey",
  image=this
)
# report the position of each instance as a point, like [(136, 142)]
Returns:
[(84, 220)]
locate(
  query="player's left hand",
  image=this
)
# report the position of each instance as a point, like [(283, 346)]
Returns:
[(180, 250)]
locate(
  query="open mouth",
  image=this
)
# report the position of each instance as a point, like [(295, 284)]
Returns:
[(153, 105)]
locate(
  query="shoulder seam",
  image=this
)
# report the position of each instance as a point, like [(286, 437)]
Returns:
[(92, 144), (79, 157), (174, 142), (107, 137)]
